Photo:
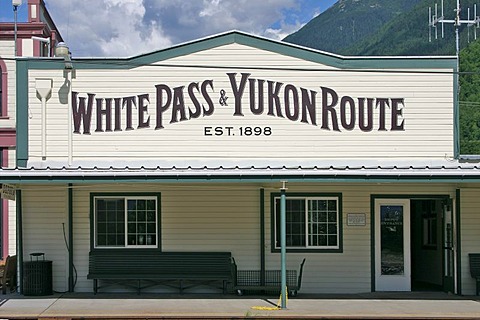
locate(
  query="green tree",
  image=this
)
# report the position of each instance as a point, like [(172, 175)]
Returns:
[(470, 99)]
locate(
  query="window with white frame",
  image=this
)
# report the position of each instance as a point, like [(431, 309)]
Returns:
[(312, 222), (126, 221)]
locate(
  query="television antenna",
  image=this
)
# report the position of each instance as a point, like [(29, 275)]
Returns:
[(434, 19)]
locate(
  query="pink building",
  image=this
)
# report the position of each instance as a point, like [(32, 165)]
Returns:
[(36, 37)]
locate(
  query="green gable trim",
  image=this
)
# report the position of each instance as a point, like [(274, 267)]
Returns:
[(282, 48), (22, 113), (456, 116)]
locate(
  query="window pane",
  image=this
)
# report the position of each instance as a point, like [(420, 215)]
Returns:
[(109, 222), (151, 205), (142, 219), (322, 222)]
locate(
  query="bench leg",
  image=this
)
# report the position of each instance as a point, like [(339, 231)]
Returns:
[(477, 291), (95, 286)]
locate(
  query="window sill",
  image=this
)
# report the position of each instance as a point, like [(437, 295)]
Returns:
[(306, 250)]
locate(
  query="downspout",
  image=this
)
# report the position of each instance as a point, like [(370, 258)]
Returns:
[(458, 242), (262, 237), (44, 89), (18, 198), (283, 243), (71, 284)]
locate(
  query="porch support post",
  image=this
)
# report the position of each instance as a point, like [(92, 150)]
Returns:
[(71, 283), (18, 198), (262, 236), (458, 241), (283, 243)]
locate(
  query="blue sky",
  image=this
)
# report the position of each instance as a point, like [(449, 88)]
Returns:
[(120, 28)]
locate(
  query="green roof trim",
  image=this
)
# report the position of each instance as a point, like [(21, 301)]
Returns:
[(22, 113), (283, 48), (209, 178)]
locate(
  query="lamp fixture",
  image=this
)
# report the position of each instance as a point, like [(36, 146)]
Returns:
[(62, 51)]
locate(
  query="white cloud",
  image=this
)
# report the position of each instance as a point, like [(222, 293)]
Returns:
[(130, 27)]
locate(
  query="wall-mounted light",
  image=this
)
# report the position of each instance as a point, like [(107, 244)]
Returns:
[(62, 51)]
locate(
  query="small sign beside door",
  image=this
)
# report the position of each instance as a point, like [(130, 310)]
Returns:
[(8, 192), (356, 219)]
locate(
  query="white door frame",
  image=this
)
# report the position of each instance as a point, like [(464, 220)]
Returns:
[(393, 282)]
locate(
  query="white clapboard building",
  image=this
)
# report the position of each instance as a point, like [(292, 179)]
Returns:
[(188, 149)]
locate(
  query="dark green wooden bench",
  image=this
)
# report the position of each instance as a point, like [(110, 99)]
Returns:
[(146, 268), (269, 281), (475, 270)]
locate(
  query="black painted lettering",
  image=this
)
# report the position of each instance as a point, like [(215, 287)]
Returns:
[(309, 106), (207, 111), (290, 90), (107, 112), (178, 105), (161, 105), (198, 108), (143, 100), (81, 112), (347, 107), (129, 102), (368, 124), (382, 103), (118, 114), (238, 91), (259, 108), (396, 113), (329, 108), (274, 99)]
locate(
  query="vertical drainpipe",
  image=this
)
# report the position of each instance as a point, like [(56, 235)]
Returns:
[(283, 243), (18, 198), (70, 239), (262, 236), (458, 241)]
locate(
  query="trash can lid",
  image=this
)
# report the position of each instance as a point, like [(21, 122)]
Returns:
[(37, 254)]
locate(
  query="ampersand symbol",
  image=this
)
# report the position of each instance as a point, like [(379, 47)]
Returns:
[(223, 98)]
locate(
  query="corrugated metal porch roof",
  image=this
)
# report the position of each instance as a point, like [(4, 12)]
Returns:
[(249, 170)]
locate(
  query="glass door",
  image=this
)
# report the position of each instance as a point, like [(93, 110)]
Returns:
[(392, 245), (448, 247)]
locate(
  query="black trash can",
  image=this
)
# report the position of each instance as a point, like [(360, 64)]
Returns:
[(37, 276)]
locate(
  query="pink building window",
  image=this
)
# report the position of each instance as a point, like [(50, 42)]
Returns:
[(3, 90)]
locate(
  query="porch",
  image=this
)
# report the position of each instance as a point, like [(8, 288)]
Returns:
[(432, 305)]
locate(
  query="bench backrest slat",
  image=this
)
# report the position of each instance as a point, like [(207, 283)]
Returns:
[(474, 264), (143, 262)]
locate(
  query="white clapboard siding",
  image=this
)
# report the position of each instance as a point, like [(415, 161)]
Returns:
[(193, 218), (44, 209), (350, 271), (225, 217), (427, 111), (470, 237)]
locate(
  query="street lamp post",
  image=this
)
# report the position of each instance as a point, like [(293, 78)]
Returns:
[(15, 4)]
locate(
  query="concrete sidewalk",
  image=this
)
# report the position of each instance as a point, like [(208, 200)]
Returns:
[(201, 306)]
